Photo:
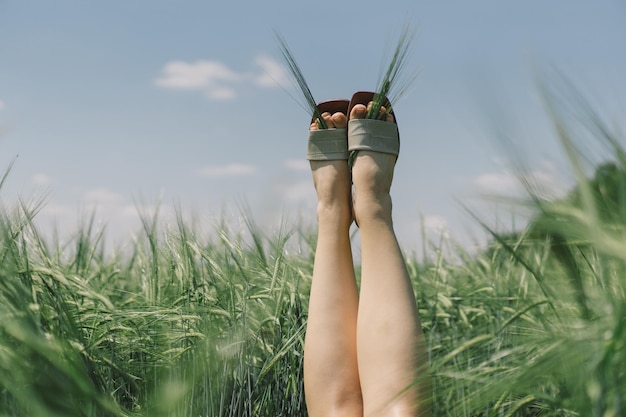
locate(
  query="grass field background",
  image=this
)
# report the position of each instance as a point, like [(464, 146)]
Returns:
[(211, 323)]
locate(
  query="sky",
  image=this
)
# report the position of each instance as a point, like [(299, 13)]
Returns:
[(121, 106)]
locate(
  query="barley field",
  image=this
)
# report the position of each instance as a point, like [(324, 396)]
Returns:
[(211, 323)]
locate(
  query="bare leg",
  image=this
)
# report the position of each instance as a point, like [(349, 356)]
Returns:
[(392, 354), (331, 379)]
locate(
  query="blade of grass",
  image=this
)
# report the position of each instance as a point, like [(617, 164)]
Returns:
[(298, 77), (391, 86)]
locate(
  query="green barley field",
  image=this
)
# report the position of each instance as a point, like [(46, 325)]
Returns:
[(209, 323)]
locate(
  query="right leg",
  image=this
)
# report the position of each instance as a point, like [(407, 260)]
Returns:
[(393, 361), (331, 379)]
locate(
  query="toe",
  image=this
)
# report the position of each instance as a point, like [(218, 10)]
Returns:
[(359, 111), (339, 120), (382, 114), (328, 119), (389, 118), (314, 126)]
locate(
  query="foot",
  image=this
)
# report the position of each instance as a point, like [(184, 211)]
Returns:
[(372, 174), (333, 181)]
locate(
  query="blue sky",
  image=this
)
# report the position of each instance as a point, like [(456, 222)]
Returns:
[(117, 104)]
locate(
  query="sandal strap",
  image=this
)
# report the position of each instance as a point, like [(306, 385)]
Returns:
[(327, 144), (373, 135)]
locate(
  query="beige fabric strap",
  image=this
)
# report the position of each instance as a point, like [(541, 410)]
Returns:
[(373, 135), (327, 144)]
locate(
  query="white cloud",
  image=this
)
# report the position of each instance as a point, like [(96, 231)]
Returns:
[(217, 81), (498, 182), (42, 180), (226, 170), (274, 74), (435, 222), (102, 196), (212, 77), (545, 180), (297, 165), (179, 75)]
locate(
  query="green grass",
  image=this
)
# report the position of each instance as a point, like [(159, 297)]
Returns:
[(179, 321), (212, 323), (186, 327), (394, 79)]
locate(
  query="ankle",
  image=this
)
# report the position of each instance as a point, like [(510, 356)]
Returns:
[(332, 185)]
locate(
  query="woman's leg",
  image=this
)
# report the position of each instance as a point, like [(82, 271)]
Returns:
[(331, 379), (392, 355)]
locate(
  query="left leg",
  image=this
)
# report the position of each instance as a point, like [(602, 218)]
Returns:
[(331, 379)]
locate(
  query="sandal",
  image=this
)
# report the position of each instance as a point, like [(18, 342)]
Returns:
[(328, 144), (372, 134)]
